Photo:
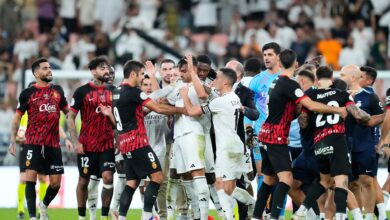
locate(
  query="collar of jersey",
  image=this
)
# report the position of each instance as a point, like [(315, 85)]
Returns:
[(41, 87), (97, 87)]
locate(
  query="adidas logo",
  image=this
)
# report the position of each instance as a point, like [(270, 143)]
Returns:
[(203, 200), (224, 176), (192, 166)]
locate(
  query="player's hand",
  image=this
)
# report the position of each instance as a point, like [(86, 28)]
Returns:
[(68, 144), (343, 112), (162, 101), (190, 65), (183, 91), (106, 110), (12, 148), (386, 150), (150, 68), (79, 148), (19, 139)]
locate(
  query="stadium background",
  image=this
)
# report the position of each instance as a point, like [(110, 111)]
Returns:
[(71, 32)]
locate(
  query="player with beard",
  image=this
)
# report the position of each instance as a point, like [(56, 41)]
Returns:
[(43, 103), (95, 145), (283, 98), (330, 145)]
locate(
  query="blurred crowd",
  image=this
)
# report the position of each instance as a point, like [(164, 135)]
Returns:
[(71, 32)]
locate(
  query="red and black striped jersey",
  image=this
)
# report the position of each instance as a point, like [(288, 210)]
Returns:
[(327, 124), (43, 106), (96, 133), (128, 103), (283, 96)]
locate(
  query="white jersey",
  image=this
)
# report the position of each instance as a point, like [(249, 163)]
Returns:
[(225, 110), (156, 127), (185, 124)]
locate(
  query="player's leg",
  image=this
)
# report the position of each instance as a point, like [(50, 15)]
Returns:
[(267, 184), (258, 161), (353, 206), (369, 195), (119, 185), (86, 167), (21, 195), (93, 194), (42, 178), (107, 169), (33, 158), (161, 201), (172, 185), (379, 200), (192, 198)]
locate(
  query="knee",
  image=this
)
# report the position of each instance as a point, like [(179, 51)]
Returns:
[(366, 181), (157, 177), (228, 190), (108, 178), (326, 183), (42, 178), (55, 185), (270, 180), (286, 178), (187, 176), (354, 186), (173, 174)]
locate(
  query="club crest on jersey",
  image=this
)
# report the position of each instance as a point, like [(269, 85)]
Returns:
[(28, 163), (46, 96), (102, 98), (85, 170), (154, 165)]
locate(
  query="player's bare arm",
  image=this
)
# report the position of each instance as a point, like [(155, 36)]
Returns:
[(151, 70), (322, 108), (385, 139), (358, 113), (190, 109), (14, 131), (201, 90), (303, 119), (375, 120), (71, 116), (64, 137)]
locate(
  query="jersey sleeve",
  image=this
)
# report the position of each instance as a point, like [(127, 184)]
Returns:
[(23, 103), (293, 91), (213, 106), (387, 102), (139, 97), (348, 99), (77, 100), (63, 102), (375, 105)]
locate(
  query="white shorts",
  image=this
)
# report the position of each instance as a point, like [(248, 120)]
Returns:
[(189, 153), (209, 155), (229, 165)]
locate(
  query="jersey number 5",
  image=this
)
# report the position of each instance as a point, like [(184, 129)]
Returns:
[(119, 126), (330, 119)]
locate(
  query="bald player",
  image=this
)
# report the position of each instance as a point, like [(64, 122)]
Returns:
[(362, 139)]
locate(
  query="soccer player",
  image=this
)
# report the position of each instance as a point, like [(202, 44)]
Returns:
[(260, 85), (361, 139), (252, 67), (43, 103), (330, 145), (225, 110), (248, 110), (283, 97), (95, 145), (140, 159)]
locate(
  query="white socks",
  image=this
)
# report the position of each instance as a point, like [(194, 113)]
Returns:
[(146, 215), (382, 211), (202, 190), (340, 216), (243, 196), (227, 204), (386, 196), (93, 194), (214, 195), (192, 198), (171, 197), (357, 214), (369, 216), (118, 189)]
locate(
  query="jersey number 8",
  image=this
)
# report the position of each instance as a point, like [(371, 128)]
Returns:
[(330, 119)]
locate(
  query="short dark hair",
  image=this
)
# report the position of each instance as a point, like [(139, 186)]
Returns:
[(340, 84), (370, 71), (183, 61), (307, 73), (167, 61), (272, 45), (252, 65), (203, 58), (97, 61), (324, 72), (146, 76), (35, 65), (230, 74), (131, 66), (287, 58)]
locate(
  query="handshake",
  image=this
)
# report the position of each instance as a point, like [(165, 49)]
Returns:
[(251, 138)]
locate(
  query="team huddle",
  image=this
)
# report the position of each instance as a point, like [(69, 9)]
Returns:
[(199, 135)]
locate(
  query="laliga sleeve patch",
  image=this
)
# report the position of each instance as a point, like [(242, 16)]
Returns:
[(143, 96), (18, 105), (298, 93), (72, 102)]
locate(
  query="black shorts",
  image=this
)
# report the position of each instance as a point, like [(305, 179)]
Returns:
[(43, 159), (95, 163), (332, 155), (276, 158), (22, 162), (364, 163), (140, 163)]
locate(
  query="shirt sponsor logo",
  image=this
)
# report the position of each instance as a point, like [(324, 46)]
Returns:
[(115, 97), (324, 150), (47, 108)]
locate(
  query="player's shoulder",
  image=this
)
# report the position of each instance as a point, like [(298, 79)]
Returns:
[(388, 92), (57, 87), (110, 87)]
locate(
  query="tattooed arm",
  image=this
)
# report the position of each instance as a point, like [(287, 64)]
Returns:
[(14, 131), (358, 114), (303, 119), (72, 131)]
